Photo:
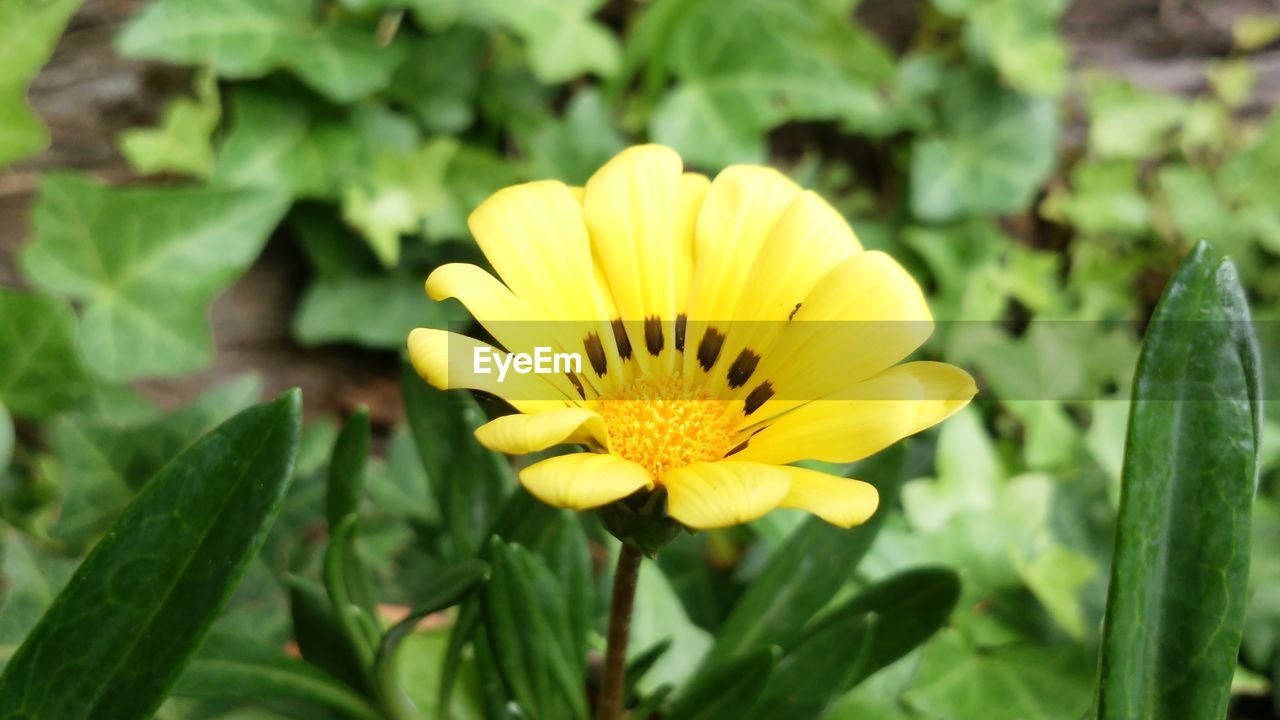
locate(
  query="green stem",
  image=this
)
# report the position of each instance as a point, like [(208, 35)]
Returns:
[(609, 706)]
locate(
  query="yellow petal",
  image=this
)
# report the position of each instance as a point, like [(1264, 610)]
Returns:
[(724, 493), (839, 501), (520, 434), (583, 480), (867, 418), (445, 360)]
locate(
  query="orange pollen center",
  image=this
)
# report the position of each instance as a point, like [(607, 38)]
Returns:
[(662, 425)]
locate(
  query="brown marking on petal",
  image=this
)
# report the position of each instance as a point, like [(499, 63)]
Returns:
[(794, 310), (709, 348), (758, 397), (653, 335), (577, 385), (682, 322), (738, 448), (742, 367), (621, 338), (595, 353)]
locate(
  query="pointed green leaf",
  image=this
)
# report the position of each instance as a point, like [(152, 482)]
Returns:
[(41, 372), (29, 29), (145, 262), (1175, 608), (346, 469), (182, 143), (728, 690), (242, 668), (321, 638), (121, 632)]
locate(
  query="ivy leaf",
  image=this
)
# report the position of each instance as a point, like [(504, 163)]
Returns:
[(400, 192), (1126, 121), (563, 40), (441, 78), (244, 39), (994, 149), (145, 263), (29, 29), (1022, 41), (29, 581), (571, 148), (749, 66), (41, 372), (1104, 199), (473, 175), (182, 142)]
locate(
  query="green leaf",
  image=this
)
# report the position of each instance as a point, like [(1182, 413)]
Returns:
[(250, 38), (242, 668), (6, 438), (1021, 39), (562, 39), (1126, 121), (726, 691), (1184, 517), (873, 630), (572, 148), (346, 469), (347, 580), (440, 79), (471, 482), (29, 581), (1008, 682), (322, 639), (280, 142), (1104, 199), (29, 29), (527, 625), (659, 617), (472, 176), (104, 463), (747, 67), (398, 194), (119, 635), (182, 143), (145, 263), (41, 372), (994, 149), (804, 574)]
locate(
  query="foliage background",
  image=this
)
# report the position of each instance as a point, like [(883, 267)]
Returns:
[(320, 157)]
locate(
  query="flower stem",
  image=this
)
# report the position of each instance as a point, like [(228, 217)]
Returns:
[(625, 575)]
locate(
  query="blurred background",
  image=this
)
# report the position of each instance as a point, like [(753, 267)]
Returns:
[(241, 196)]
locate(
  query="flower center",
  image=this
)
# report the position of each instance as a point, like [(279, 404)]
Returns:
[(662, 425)]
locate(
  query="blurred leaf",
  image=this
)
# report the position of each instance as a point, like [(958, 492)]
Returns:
[(659, 617), (470, 481), (280, 143), (41, 371), (1232, 80), (250, 38), (118, 637), (145, 262), (572, 148), (347, 468), (1252, 32), (1104, 199), (1011, 682), (376, 311), (727, 690), (804, 574), (1126, 121), (419, 664), (234, 667), (182, 142), (29, 30), (1184, 514), (103, 463), (401, 190), (29, 581), (563, 40), (749, 66), (994, 149), (527, 624), (6, 438), (1262, 616), (473, 175), (871, 631), (321, 638), (441, 77), (1056, 577), (1022, 40), (1197, 211)]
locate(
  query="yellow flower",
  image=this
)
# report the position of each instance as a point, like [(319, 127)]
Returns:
[(731, 327)]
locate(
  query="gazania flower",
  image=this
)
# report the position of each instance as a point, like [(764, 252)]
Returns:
[(731, 327)]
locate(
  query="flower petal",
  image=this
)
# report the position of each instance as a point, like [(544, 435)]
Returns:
[(520, 434), (584, 480), (724, 493), (839, 501), (445, 360)]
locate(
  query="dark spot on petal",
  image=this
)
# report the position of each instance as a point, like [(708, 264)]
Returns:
[(620, 337), (758, 397), (794, 310), (595, 353), (577, 385), (653, 335), (738, 448), (682, 322), (709, 348), (742, 367)]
